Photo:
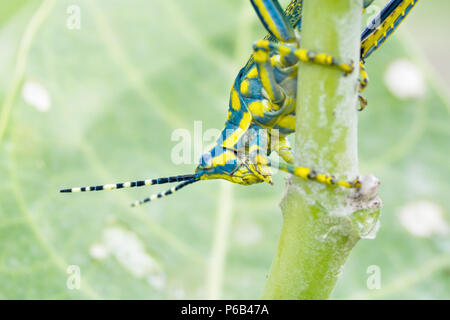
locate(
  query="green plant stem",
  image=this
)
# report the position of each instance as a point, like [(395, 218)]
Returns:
[(322, 224)]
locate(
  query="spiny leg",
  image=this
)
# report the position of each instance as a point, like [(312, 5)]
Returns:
[(362, 103), (281, 146), (257, 151), (378, 31), (324, 59), (290, 54), (363, 82), (266, 74), (384, 25), (309, 174)]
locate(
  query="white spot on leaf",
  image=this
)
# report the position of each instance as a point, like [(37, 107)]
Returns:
[(36, 95), (423, 218), (405, 80), (157, 281), (247, 234), (129, 250), (98, 251)]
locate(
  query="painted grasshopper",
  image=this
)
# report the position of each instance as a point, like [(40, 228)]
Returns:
[(262, 102)]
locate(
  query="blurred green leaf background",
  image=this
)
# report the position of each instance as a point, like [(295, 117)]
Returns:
[(119, 86)]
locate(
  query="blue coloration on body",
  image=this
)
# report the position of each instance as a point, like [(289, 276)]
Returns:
[(255, 90), (387, 10)]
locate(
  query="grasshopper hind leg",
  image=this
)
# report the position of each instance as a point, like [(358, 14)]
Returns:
[(273, 19)]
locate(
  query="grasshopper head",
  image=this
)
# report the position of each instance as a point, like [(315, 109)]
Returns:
[(222, 163)]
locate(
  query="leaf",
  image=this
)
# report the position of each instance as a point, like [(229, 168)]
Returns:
[(119, 86)]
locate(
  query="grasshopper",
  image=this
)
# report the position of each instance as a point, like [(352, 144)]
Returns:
[(262, 102)]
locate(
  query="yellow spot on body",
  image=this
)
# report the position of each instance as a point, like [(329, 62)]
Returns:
[(284, 50), (243, 126), (76, 190), (109, 186), (244, 87), (263, 44), (257, 108), (274, 61), (261, 56), (223, 158), (265, 80), (235, 100), (253, 73), (127, 184), (287, 122)]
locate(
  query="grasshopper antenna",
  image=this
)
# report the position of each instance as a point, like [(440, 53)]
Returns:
[(132, 184), (165, 193)]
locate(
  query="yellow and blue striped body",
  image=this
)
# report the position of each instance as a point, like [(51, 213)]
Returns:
[(263, 95), (262, 106)]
